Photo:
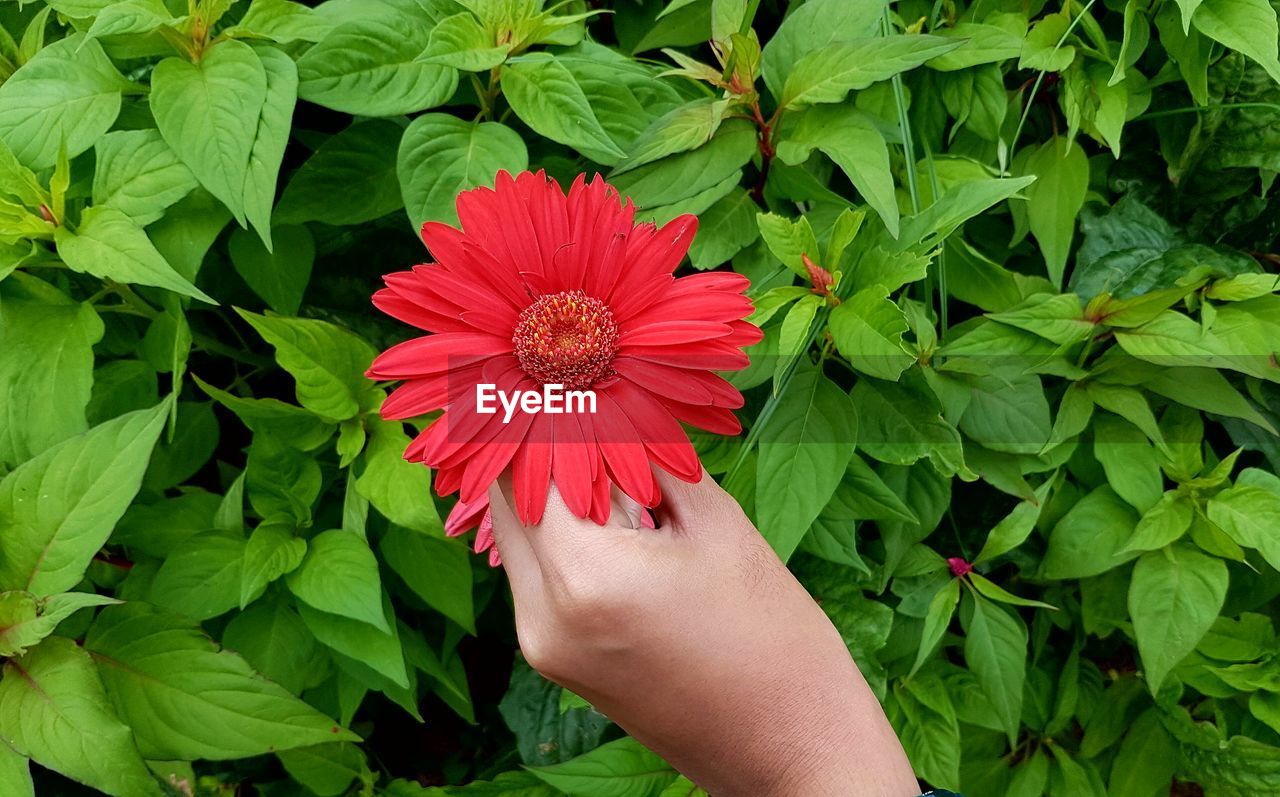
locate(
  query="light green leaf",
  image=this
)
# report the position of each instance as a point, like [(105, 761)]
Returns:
[(299, 427), (1054, 199), (272, 551), (139, 175), (1246, 25), (995, 648), (279, 277), (545, 95), (936, 620), (995, 592), (1042, 51), (205, 110), (982, 44), (1132, 465), (1090, 538), (459, 41), (110, 245), (366, 67), (58, 509), (867, 328), (958, 204), (1163, 523), (400, 490), (272, 134), (327, 769), (441, 156), (53, 709), (803, 453), (185, 699), (15, 773), (282, 21), (851, 139), (327, 362), (815, 24), (201, 577), (1014, 528), (437, 570), (46, 372), (1250, 515), (67, 96), (901, 425), (25, 619), (618, 769), (378, 650), (789, 240), (829, 73), (686, 127), (339, 575), (1174, 598), (130, 17)]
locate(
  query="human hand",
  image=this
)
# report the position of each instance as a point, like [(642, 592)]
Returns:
[(696, 639)]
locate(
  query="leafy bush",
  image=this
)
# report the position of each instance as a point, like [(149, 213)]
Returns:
[(1014, 420)]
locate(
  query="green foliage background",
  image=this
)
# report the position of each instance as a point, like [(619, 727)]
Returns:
[(1050, 353)]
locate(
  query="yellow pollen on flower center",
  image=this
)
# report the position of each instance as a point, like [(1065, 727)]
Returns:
[(566, 338)]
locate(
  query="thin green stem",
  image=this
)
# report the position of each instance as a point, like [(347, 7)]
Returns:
[(1202, 108), (1035, 87)]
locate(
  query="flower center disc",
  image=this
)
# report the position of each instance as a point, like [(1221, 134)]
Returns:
[(566, 338)]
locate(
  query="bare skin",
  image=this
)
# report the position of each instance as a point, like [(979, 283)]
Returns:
[(698, 641)]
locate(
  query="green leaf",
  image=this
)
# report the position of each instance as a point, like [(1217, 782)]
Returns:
[(815, 24), (901, 425), (201, 578), (929, 730), (53, 710), (829, 73), (1055, 317), (25, 620), (187, 230), (681, 129), (366, 67), (942, 608), (459, 41), (1014, 528), (58, 509), (544, 734), (545, 95), (188, 700), (327, 769), (1249, 514), (274, 122), (350, 179), (789, 240), (1246, 25), (205, 110), (1042, 49), (1054, 199), (272, 551), (1174, 598), (803, 453), (110, 245), (1162, 524), (623, 768), (1146, 761), (139, 175), (67, 96), (1008, 415), (130, 17), (339, 575), (988, 588), (1131, 464), (279, 277), (327, 362), (982, 44), (851, 139), (361, 642), (294, 424), (867, 328), (275, 642), (282, 21), (725, 229), (281, 481), (441, 156), (46, 372), (958, 204), (688, 175), (995, 648), (437, 570), (15, 773), (1090, 537)]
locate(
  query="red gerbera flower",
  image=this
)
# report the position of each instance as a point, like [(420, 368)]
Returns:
[(539, 288)]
